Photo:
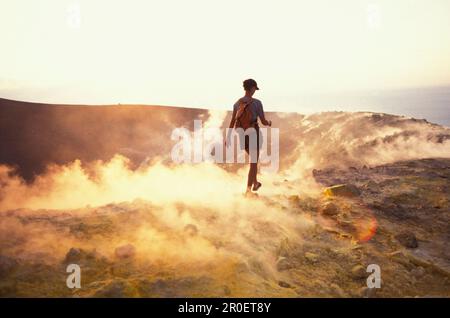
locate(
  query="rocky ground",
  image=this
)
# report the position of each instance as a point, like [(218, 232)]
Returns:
[(395, 215)]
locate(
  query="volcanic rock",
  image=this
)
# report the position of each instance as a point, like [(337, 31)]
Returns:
[(125, 251), (407, 239), (284, 284), (342, 190), (359, 272), (81, 256), (329, 209), (284, 263), (73, 255), (311, 257)]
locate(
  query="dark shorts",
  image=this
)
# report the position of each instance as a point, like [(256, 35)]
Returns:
[(248, 145)]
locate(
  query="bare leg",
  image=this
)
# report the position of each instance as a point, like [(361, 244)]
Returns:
[(253, 171), (251, 180)]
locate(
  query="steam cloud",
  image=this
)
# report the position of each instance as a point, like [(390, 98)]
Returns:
[(192, 213)]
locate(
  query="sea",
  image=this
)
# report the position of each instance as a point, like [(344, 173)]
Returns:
[(430, 103)]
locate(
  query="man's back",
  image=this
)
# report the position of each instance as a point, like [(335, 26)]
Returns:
[(255, 107)]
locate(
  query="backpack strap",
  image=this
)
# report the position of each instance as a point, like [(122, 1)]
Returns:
[(241, 111)]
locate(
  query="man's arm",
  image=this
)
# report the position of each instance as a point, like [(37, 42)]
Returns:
[(233, 118), (232, 123), (264, 121)]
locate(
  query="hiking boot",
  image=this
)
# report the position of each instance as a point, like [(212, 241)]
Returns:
[(256, 186)]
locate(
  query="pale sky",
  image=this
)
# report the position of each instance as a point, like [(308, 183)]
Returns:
[(196, 53)]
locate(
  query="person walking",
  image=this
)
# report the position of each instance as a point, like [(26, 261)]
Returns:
[(246, 112)]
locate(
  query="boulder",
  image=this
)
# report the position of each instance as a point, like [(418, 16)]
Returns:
[(342, 190), (311, 257), (79, 255), (329, 209), (359, 272), (284, 284), (286, 248), (73, 255), (407, 239), (125, 251), (284, 263)]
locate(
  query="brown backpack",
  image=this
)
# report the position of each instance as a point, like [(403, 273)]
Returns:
[(244, 115)]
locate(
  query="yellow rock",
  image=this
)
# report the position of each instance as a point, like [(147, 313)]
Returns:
[(342, 190)]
